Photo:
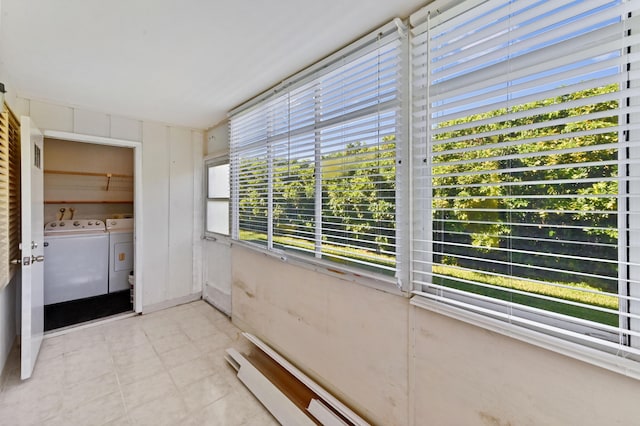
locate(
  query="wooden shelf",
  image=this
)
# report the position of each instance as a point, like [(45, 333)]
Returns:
[(90, 202), (67, 172)]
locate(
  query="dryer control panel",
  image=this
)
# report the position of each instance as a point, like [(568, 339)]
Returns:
[(120, 224)]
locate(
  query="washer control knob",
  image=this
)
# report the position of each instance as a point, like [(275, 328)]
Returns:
[(53, 225), (61, 223), (90, 223), (76, 223)]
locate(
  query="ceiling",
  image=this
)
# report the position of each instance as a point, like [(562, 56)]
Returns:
[(184, 62)]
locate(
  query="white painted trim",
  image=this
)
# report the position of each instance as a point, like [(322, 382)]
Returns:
[(412, 364), (173, 302), (138, 272), (98, 140), (216, 298), (137, 202), (222, 156), (207, 300), (583, 353)]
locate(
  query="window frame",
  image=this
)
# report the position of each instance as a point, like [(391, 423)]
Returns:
[(215, 161), (485, 313), (407, 225), (398, 284)]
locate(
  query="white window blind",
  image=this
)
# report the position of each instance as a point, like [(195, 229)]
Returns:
[(526, 152), (314, 163)]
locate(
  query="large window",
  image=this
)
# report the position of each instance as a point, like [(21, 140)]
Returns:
[(316, 164), (522, 202), (526, 147)]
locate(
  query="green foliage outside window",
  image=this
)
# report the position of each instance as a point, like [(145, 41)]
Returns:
[(531, 204), (358, 203)]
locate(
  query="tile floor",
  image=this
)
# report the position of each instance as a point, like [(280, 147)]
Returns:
[(164, 368)]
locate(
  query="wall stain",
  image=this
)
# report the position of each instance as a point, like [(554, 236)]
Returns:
[(242, 286), (489, 420), (425, 333), (298, 317), (392, 401)]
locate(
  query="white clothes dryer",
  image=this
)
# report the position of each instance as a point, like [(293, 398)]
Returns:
[(120, 253), (76, 260)]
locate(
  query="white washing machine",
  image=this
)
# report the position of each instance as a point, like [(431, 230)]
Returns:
[(120, 253), (76, 260)]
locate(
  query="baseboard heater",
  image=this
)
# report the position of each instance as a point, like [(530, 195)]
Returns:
[(291, 396)]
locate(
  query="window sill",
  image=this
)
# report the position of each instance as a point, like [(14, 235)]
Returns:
[(625, 367), (214, 237), (387, 285)]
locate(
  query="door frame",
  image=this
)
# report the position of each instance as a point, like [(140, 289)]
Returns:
[(137, 197)]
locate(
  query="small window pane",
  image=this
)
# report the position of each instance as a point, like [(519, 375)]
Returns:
[(218, 217), (218, 181)]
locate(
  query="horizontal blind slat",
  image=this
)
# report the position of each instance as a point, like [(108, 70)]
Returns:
[(525, 149), (296, 152)]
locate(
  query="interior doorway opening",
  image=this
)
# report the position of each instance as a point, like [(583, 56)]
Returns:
[(91, 212)]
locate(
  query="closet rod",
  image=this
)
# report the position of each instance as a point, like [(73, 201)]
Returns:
[(88, 202), (66, 172)]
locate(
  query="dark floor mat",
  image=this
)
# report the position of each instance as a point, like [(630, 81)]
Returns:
[(65, 314)]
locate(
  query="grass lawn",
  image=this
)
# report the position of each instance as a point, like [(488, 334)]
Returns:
[(329, 251), (575, 295)]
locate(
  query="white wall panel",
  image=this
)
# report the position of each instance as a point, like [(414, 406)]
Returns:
[(397, 364), (125, 128), (155, 181), (467, 375), (217, 285), (218, 139), (11, 96), (350, 338), (51, 117), (197, 140), (90, 123), (181, 205), (20, 106)]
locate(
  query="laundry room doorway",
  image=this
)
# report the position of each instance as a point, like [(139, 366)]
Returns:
[(92, 212)]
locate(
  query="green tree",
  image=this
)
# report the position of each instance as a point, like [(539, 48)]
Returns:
[(359, 195), (358, 200), (547, 188)]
